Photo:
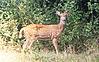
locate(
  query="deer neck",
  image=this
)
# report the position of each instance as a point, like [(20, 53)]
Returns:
[(62, 22), (61, 25)]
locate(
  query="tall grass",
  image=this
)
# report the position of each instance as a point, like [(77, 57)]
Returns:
[(41, 56)]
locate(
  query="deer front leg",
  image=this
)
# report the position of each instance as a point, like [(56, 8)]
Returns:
[(55, 44)]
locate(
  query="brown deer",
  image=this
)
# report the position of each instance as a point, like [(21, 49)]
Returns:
[(35, 32)]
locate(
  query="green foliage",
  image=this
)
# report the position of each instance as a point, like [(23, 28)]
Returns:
[(8, 31)]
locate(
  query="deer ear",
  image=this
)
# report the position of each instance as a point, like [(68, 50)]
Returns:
[(66, 13), (57, 12)]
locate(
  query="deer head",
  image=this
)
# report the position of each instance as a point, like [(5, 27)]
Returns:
[(62, 15)]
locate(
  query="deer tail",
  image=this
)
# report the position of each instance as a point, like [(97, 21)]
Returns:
[(21, 32)]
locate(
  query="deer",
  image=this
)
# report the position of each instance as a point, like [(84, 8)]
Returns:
[(34, 32)]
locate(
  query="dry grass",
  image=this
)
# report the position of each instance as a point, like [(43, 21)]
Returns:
[(14, 54)]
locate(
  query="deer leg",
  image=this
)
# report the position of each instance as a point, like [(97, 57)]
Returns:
[(25, 44), (31, 42), (55, 44), (30, 45)]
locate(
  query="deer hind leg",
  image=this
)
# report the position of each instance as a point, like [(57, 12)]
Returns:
[(25, 45), (55, 44), (31, 42)]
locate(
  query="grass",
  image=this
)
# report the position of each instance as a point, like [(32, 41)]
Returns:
[(16, 55)]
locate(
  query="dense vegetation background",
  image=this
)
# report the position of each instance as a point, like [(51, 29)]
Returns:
[(81, 29)]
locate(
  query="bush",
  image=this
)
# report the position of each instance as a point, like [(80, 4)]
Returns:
[(8, 31)]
